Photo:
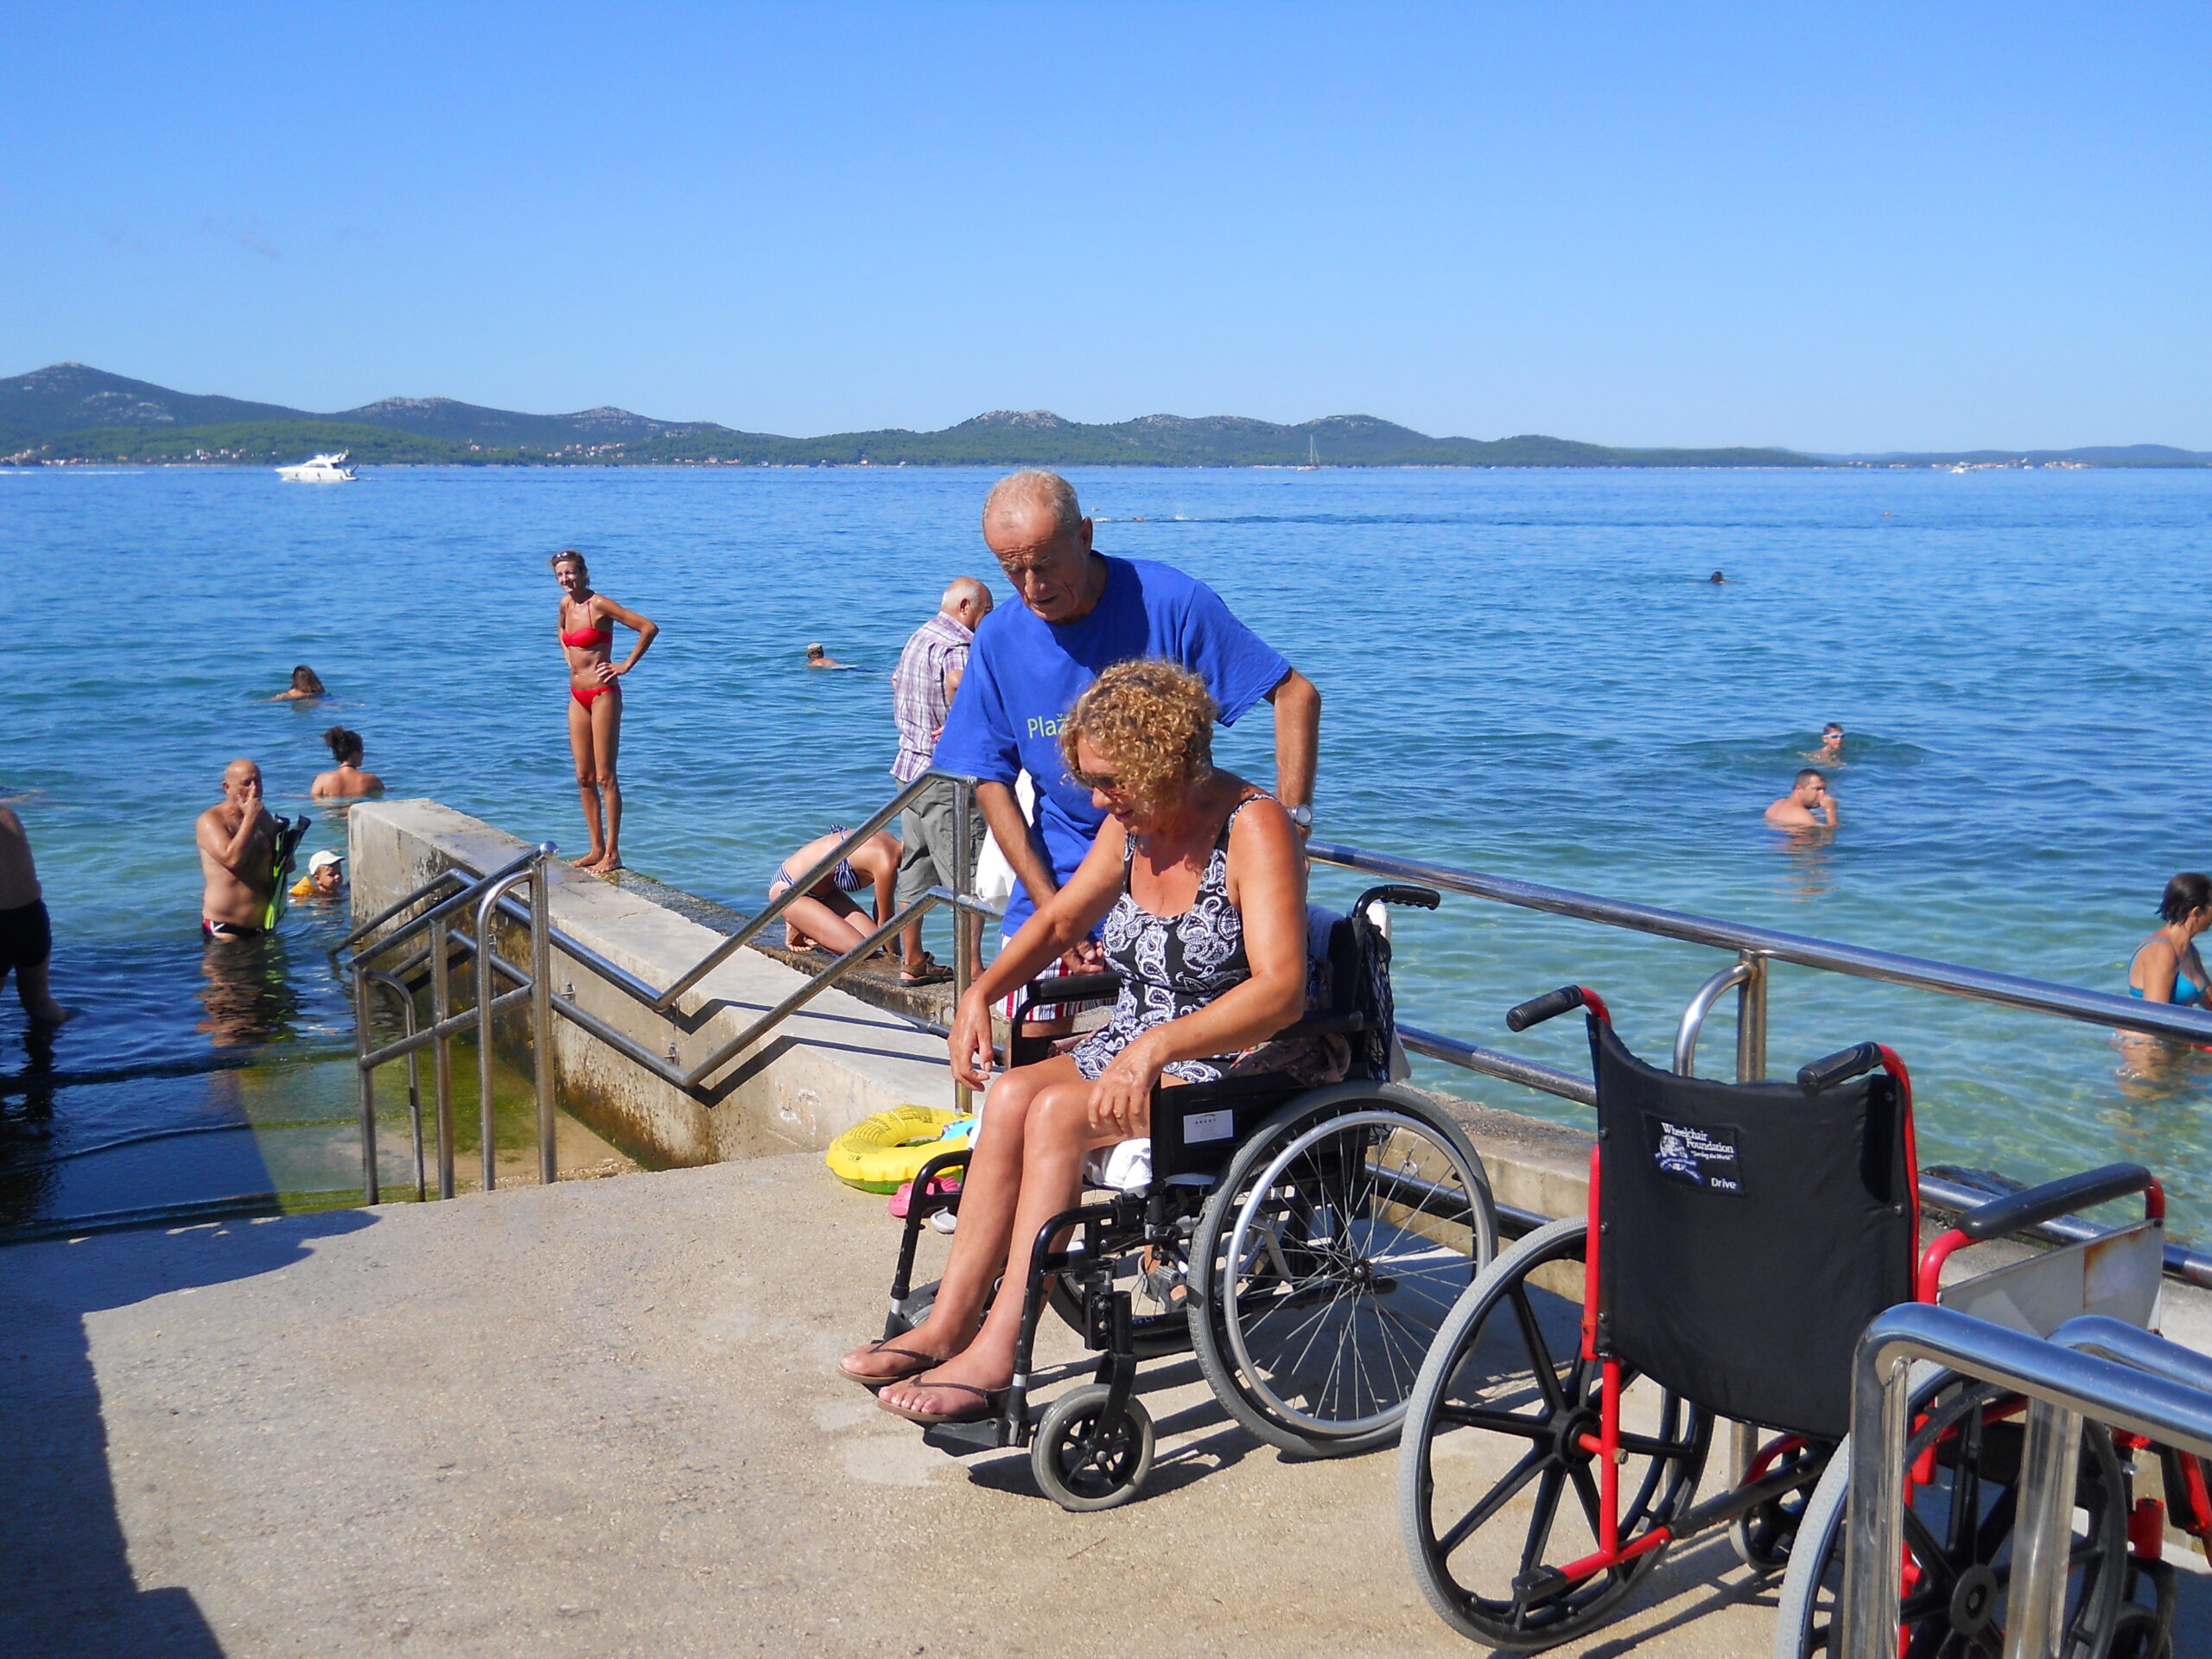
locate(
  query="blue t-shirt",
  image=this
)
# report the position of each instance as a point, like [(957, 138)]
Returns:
[(1025, 673)]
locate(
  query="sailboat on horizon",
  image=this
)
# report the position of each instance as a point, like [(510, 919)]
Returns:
[(1312, 457)]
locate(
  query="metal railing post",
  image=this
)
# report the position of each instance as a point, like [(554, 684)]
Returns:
[(442, 1052), (1874, 1563), (963, 926), (367, 1083), (541, 1010), (486, 957), (397, 987), (2155, 1391), (2044, 1534), (1750, 1019)]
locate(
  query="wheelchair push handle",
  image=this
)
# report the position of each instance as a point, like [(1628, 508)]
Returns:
[(1840, 1067), (1549, 1005), (1396, 892)]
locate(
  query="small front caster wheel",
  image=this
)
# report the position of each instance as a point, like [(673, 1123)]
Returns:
[(1084, 1462)]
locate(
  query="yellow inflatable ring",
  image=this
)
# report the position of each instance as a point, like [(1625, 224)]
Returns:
[(881, 1153)]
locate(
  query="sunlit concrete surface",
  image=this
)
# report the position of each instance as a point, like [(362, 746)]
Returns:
[(601, 1418)]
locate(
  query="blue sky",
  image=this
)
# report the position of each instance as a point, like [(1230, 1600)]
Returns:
[(1830, 227)]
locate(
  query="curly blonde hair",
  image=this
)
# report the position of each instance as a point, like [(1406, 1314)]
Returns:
[(1154, 725)]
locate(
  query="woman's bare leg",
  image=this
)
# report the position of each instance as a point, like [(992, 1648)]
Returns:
[(1056, 1135), (580, 744), (607, 743), (828, 927), (990, 1189)]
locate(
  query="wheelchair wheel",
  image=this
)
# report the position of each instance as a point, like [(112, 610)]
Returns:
[(1494, 1487), (1327, 1258), (1084, 1463), (1762, 1538), (1958, 1531)]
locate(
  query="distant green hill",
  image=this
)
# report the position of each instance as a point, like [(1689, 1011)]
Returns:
[(68, 412)]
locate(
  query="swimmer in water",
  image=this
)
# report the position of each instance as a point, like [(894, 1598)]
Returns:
[(26, 932), (1830, 754), (817, 658), (1716, 578), (2166, 967), (825, 915), (325, 877), (305, 687), (348, 782), (586, 628), (237, 853), (1808, 797)]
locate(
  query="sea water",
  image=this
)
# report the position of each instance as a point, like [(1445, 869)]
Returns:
[(1524, 672)]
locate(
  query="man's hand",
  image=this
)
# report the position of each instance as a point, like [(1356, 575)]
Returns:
[(969, 1045)]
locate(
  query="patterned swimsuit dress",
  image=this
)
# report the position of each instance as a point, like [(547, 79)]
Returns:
[(1170, 966)]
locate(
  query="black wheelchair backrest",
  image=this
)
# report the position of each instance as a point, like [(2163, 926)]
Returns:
[(1748, 1232)]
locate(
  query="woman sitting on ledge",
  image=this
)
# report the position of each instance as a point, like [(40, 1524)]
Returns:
[(825, 916), (1201, 882)]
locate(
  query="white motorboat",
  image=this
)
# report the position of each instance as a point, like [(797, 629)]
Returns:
[(319, 469)]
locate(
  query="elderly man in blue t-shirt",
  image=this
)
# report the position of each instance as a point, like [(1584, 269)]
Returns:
[(1081, 611)]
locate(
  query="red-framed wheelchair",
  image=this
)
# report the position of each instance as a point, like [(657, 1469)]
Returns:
[(1739, 1238)]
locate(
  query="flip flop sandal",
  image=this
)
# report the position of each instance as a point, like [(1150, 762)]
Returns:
[(930, 973), (989, 1403), (921, 1362)]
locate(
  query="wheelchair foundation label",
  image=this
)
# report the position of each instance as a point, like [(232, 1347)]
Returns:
[(1699, 1157)]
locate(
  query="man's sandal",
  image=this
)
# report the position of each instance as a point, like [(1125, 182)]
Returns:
[(989, 1403), (932, 972), (920, 1363)]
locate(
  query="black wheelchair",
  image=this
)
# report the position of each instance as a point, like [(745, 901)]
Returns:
[(1307, 1241), (1739, 1238)]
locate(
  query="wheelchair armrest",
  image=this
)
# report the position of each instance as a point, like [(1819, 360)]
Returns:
[(2017, 1211), (1068, 987), (1326, 1025)]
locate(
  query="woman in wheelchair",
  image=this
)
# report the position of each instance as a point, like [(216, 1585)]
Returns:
[(1200, 881)]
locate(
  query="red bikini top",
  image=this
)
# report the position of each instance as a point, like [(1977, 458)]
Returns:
[(587, 638)]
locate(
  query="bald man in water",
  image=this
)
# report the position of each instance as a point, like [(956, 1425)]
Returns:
[(922, 688), (238, 850)]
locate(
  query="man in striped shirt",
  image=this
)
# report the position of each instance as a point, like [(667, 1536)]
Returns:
[(922, 688)]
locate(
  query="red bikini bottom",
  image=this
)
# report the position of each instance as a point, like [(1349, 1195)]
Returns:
[(585, 694)]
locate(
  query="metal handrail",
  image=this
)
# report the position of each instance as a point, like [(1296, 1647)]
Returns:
[(822, 867), (443, 878), (488, 893), (1757, 947), (2066, 1379), (2007, 990)]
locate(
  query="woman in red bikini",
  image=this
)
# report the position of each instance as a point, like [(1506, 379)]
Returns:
[(586, 629)]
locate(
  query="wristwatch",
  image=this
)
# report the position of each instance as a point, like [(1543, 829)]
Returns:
[(1302, 817)]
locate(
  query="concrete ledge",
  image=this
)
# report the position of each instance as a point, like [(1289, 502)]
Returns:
[(834, 1062)]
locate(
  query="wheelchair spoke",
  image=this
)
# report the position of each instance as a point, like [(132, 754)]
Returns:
[(1928, 1550), (1500, 1422), (1587, 1489), (1652, 1446), (1496, 1499), (1966, 1487), (1540, 1517), (1990, 1537), (1539, 1352)]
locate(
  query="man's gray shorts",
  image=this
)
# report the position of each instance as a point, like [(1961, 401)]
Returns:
[(931, 859)]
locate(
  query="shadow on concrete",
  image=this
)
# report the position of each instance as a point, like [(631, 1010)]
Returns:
[(67, 1588)]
